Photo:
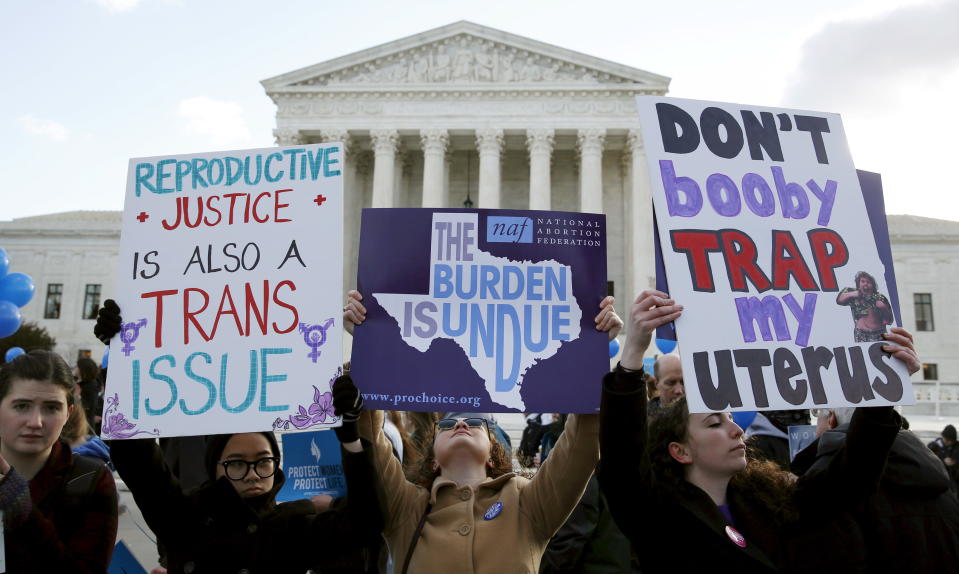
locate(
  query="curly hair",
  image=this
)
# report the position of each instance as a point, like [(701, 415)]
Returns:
[(501, 465), (867, 276), (767, 484)]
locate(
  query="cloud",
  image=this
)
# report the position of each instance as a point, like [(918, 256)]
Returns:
[(118, 5), (222, 122), (44, 128), (862, 63)]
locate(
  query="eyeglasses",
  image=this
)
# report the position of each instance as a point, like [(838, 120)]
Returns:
[(472, 422), (819, 413), (238, 469)]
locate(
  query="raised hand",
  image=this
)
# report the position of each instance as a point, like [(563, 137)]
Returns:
[(108, 321), (899, 344), (347, 403), (607, 320), (650, 310), (354, 313)]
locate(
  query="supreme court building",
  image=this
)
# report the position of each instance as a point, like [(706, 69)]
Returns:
[(466, 115)]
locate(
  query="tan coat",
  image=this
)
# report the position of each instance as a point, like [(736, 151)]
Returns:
[(456, 538)]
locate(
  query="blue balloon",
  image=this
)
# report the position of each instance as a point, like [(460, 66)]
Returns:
[(613, 348), (17, 288), (105, 361), (744, 418), (665, 346), (9, 318), (4, 261), (13, 353)]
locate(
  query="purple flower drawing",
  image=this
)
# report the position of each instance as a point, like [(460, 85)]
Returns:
[(319, 412), (116, 425)]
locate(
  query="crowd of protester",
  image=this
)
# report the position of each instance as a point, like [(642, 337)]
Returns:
[(642, 486)]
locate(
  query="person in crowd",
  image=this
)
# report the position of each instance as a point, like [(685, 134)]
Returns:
[(59, 509), (469, 512), (669, 381), (88, 377), (911, 523), (232, 522), (79, 436), (766, 437), (947, 449), (683, 491), (652, 393), (870, 309), (531, 439)]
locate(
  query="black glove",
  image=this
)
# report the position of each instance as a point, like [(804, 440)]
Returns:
[(108, 321), (347, 403)]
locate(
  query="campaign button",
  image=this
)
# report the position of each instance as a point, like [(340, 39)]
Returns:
[(493, 511), (735, 536)]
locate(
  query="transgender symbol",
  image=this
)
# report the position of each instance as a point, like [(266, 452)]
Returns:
[(129, 333), (314, 336)]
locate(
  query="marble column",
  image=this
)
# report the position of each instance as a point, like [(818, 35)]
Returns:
[(434, 144), (590, 144), (385, 143), (287, 136), (489, 143), (539, 142), (352, 204), (640, 261)]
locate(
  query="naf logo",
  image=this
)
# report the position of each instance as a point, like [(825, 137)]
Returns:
[(509, 229)]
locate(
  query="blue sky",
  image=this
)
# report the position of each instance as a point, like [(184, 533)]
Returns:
[(91, 83)]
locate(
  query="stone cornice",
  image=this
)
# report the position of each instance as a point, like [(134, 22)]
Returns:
[(465, 52)]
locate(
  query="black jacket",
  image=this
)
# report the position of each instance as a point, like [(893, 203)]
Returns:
[(678, 528), (212, 529), (911, 524)]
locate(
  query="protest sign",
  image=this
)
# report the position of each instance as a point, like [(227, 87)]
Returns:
[(765, 240), (229, 283), (800, 436), (481, 310), (123, 561), (313, 464)]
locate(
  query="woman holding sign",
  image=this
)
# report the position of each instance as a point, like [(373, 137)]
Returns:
[(685, 493), (232, 522), (59, 509), (469, 512)]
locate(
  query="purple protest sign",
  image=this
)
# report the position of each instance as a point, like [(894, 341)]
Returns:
[(481, 310)]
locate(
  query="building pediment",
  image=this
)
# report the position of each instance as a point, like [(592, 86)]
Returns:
[(465, 55)]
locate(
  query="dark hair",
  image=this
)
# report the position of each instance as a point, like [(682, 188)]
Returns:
[(89, 370), (764, 481), (869, 277), (949, 432), (216, 443), (501, 464), (38, 365)]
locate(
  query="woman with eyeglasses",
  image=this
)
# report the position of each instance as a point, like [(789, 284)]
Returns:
[(469, 512), (232, 522), (713, 505)]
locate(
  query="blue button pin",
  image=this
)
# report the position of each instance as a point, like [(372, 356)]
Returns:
[(493, 511)]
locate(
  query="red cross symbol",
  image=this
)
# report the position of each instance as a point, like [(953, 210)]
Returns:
[(142, 217), (319, 200)]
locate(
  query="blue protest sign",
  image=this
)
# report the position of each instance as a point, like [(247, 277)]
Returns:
[(800, 436), (313, 465), (123, 561), (481, 310)]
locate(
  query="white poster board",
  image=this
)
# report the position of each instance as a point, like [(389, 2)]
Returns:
[(230, 287), (764, 233)]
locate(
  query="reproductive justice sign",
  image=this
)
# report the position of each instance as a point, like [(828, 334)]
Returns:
[(767, 243), (229, 284)]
